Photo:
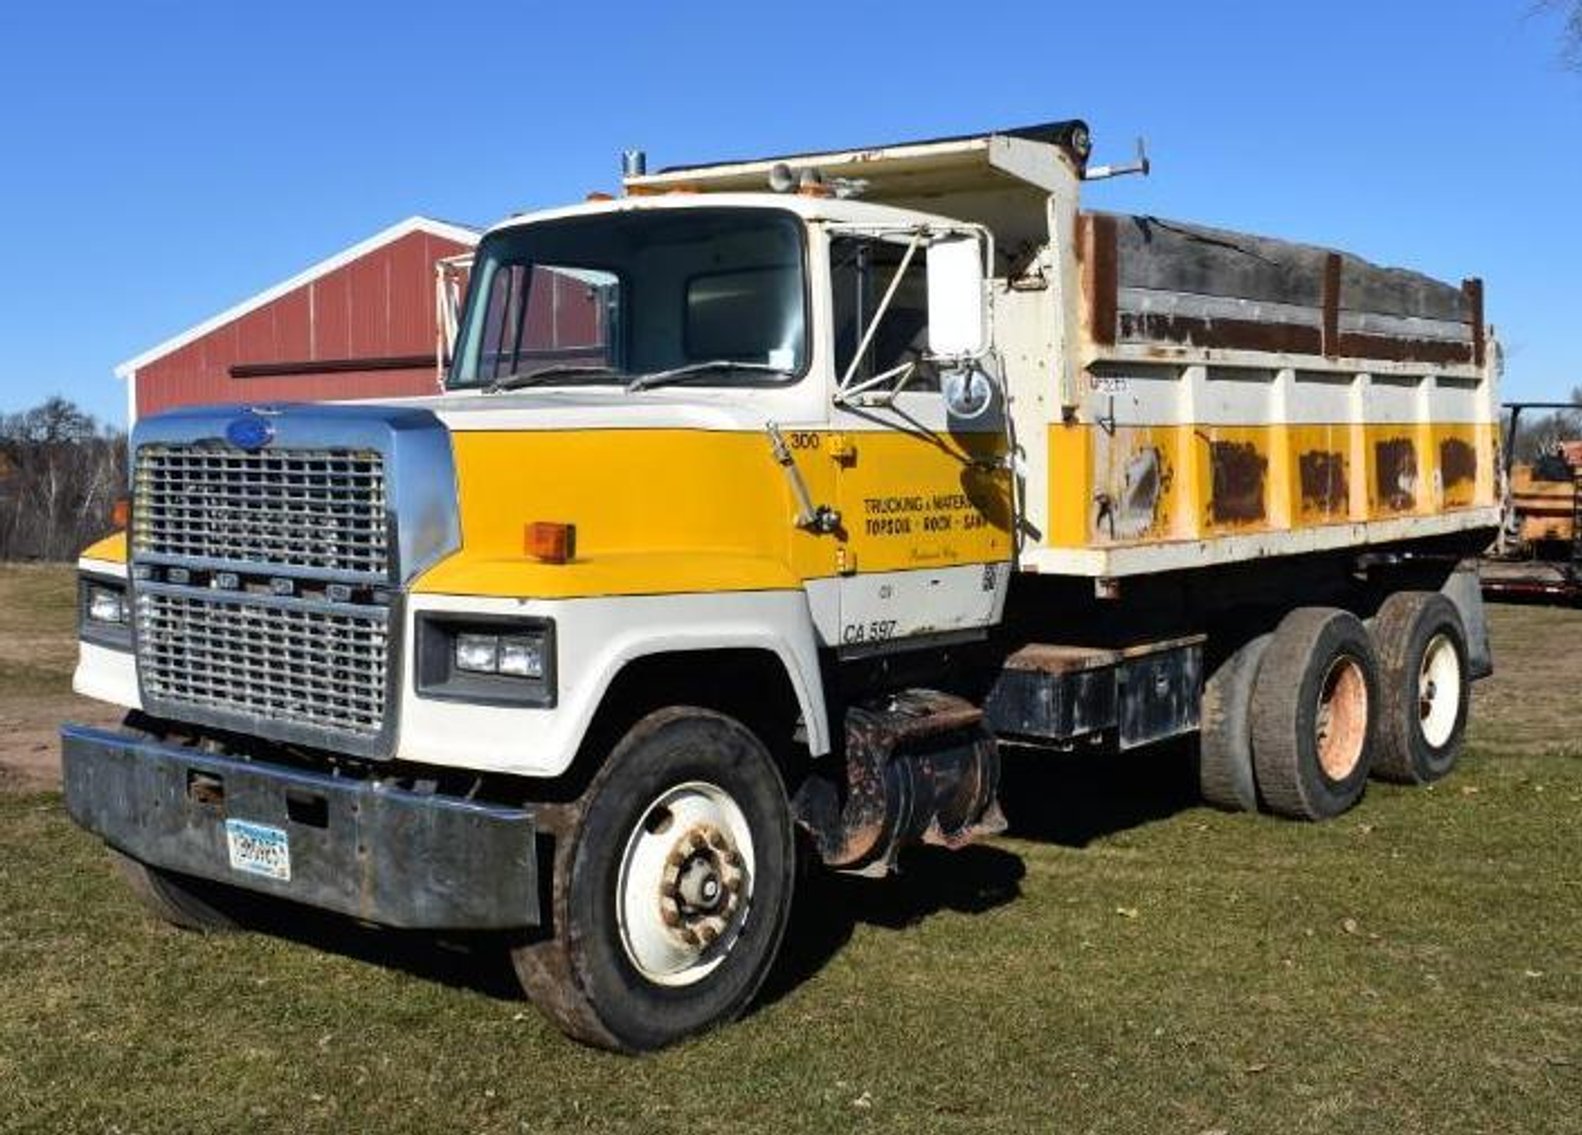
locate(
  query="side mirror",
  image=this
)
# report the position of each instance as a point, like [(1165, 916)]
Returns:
[(955, 297)]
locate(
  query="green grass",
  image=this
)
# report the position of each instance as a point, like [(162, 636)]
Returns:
[(1130, 962), (38, 621)]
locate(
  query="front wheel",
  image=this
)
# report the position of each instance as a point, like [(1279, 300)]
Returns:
[(172, 898), (671, 891)]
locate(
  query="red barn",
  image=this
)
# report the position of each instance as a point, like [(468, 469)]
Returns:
[(363, 324)]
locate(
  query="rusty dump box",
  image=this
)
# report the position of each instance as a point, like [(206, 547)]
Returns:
[(1241, 396)]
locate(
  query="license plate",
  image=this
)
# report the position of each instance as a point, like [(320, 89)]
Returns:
[(259, 849)]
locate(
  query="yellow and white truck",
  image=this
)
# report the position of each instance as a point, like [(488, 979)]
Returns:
[(763, 502)]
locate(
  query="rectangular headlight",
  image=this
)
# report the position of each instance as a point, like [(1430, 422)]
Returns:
[(106, 604), (522, 656), (478, 653), (103, 612), (490, 661)]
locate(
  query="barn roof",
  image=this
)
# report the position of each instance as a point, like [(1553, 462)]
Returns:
[(462, 234)]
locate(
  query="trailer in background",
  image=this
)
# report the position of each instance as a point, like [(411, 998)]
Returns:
[(1538, 554)]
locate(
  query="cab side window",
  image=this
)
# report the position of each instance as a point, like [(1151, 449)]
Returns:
[(861, 271)]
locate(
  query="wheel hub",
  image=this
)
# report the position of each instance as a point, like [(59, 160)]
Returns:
[(701, 885)]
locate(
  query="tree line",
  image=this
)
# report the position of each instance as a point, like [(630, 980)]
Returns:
[(61, 472)]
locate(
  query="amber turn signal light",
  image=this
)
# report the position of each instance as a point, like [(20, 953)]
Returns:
[(121, 512), (553, 543)]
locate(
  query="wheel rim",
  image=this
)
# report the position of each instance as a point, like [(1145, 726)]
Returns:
[(1342, 720), (685, 885), (1439, 691)]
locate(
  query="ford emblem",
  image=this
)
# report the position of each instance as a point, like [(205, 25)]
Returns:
[(249, 432)]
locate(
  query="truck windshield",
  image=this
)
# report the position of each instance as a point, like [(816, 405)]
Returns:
[(638, 299)]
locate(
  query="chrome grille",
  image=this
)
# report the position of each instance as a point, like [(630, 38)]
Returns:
[(316, 665), (318, 509)]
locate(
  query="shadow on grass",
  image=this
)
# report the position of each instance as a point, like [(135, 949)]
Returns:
[(479, 962), (1072, 799), (1063, 798), (828, 907), (1066, 799)]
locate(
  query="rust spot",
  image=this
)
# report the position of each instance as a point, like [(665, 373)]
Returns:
[(1395, 473), (1101, 271), (1287, 338), (1323, 477), (1356, 345), (1136, 509), (1473, 290), (1230, 334), (1331, 313), (1458, 461), (1238, 472)]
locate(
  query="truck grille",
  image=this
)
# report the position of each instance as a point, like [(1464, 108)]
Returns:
[(320, 509), (313, 665), (263, 591)]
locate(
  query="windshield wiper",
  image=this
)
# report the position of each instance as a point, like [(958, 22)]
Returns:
[(520, 378), (699, 370)]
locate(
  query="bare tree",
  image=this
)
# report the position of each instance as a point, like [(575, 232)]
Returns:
[(1571, 14), (60, 474), (1538, 435)]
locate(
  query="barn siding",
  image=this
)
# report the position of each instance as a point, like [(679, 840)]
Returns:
[(380, 305)]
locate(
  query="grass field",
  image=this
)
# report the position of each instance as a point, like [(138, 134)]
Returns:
[(1129, 962)]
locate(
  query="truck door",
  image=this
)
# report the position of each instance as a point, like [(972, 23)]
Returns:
[(923, 484)]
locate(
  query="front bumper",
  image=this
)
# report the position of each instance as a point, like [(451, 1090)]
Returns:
[(383, 854)]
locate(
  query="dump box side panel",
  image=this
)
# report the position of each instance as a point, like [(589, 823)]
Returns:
[(1240, 397)]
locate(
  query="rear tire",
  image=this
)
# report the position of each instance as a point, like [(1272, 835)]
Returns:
[(1314, 710), (1424, 687), (672, 890), (170, 897), (1225, 764)]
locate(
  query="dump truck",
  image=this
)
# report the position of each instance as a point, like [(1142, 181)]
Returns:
[(1538, 554), (765, 501)]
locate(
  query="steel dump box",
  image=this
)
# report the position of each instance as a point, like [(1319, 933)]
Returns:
[(1240, 396)]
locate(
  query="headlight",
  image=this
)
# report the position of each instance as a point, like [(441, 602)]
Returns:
[(478, 653), (106, 605), (505, 662), (103, 615), (517, 656)]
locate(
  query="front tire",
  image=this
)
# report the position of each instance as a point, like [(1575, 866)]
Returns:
[(171, 898), (671, 891)]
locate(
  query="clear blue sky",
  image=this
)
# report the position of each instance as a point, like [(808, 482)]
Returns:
[(160, 161)]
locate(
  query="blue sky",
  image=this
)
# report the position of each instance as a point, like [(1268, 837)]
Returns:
[(160, 161)]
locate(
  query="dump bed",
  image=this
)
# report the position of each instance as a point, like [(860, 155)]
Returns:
[(1243, 396)]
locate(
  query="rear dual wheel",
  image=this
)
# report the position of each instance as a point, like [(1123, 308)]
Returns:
[(1425, 687), (1296, 720), (1314, 712)]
